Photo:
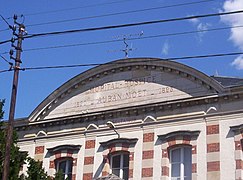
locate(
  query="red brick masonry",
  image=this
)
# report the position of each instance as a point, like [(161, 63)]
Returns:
[(147, 172), (213, 166), (213, 129), (148, 137), (39, 149), (90, 144)]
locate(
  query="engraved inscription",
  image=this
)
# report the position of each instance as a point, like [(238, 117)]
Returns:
[(122, 84), (110, 97)]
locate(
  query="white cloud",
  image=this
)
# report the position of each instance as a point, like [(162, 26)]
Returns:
[(236, 33), (238, 62), (200, 26), (194, 21), (165, 48)]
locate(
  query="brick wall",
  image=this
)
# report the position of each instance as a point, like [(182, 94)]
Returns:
[(117, 148), (147, 155), (89, 159), (213, 151), (174, 141), (238, 136), (58, 155)]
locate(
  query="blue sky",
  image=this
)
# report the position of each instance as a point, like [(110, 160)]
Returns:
[(35, 85)]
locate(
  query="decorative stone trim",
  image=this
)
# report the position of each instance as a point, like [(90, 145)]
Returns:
[(39, 153), (147, 154), (116, 145), (238, 140), (63, 151), (68, 147), (124, 141), (88, 165), (177, 138), (213, 150)]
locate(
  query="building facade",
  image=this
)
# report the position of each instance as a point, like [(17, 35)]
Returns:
[(140, 118)]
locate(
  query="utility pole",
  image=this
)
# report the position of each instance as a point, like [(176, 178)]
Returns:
[(10, 126)]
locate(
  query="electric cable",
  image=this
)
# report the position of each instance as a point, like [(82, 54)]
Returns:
[(5, 21), (97, 64), (118, 13), (4, 53), (6, 41), (74, 8), (10, 63), (130, 24), (134, 38), (125, 25)]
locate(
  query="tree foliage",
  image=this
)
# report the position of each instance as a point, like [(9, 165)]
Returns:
[(35, 171), (17, 158)]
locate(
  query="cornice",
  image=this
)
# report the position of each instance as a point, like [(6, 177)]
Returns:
[(130, 111)]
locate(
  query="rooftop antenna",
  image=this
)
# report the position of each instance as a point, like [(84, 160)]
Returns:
[(216, 73), (124, 38)]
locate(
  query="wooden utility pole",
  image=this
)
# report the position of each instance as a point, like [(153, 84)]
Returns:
[(10, 126)]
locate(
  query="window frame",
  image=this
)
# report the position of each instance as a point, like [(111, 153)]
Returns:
[(66, 174), (181, 162), (121, 167)]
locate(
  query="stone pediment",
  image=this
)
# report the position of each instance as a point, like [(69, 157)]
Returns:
[(124, 83)]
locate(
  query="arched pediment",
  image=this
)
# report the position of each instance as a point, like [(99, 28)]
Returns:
[(124, 83)]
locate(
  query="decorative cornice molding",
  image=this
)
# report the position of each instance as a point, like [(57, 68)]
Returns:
[(119, 140), (238, 128), (178, 133), (64, 147)]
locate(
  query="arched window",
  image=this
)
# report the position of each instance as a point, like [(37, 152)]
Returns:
[(65, 165), (119, 163), (181, 163)]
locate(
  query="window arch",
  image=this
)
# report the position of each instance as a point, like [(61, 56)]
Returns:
[(64, 158), (119, 164), (180, 162), (65, 166), (115, 151), (179, 154)]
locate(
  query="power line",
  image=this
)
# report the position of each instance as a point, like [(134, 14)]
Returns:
[(135, 38), (125, 25), (130, 24), (119, 13), (97, 64), (5, 21), (6, 41), (9, 26), (2, 30), (10, 63), (3, 71), (74, 8), (4, 53)]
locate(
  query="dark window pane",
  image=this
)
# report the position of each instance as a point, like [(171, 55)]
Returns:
[(70, 166), (125, 160), (175, 172), (125, 173), (116, 172), (176, 155), (62, 166), (116, 161), (187, 178), (187, 162)]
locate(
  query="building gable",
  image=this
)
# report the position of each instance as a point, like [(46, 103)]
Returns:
[(125, 83)]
